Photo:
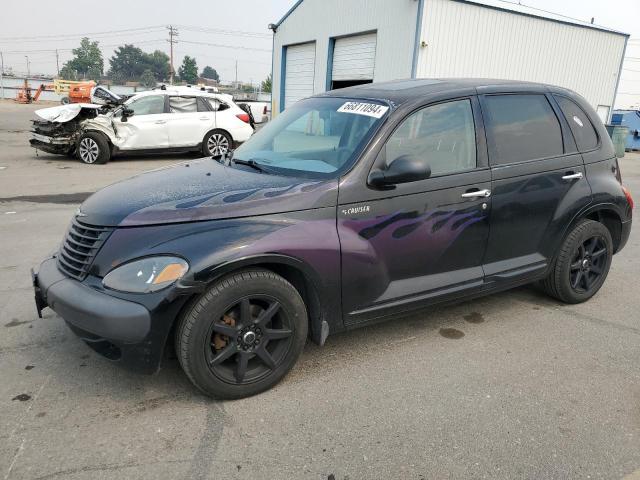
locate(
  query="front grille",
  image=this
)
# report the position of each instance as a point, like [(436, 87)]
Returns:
[(79, 248)]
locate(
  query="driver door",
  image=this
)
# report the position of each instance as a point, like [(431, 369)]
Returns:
[(413, 242), (147, 128)]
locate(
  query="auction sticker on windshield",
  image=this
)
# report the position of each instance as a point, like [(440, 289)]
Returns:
[(362, 108)]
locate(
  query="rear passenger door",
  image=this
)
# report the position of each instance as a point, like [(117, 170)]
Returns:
[(538, 183), (189, 121)]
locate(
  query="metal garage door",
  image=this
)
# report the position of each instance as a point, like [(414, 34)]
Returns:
[(300, 64), (354, 57)]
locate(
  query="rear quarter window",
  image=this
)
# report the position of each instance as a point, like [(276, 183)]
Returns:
[(583, 130), (522, 128)]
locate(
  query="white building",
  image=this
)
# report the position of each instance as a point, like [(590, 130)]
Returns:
[(325, 44)]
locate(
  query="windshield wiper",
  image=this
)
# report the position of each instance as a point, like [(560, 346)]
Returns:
[(251, 163)]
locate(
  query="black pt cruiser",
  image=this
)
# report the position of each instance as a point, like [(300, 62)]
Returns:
[(350, 207)]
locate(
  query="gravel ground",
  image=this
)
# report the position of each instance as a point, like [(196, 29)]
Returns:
[(528, 388)]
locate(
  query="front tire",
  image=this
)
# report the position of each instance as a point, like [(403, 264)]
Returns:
[(216, 143), (582, 265), (93, 148), (243, 335)]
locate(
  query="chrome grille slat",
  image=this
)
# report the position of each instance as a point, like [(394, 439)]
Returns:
[(79, 248)]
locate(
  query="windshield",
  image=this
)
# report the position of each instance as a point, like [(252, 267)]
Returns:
[(317, 137)]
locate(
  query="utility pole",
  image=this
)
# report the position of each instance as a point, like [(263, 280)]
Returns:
[(57, 62), (28, 69), (173, 32), (1, 75), (236, 82)]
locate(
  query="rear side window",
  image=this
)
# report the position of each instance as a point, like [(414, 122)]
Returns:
[(183, 104), (443, 135), (583, 130), (522, 127)]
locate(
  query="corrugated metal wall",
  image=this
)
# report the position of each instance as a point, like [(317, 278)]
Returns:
[(319, 20), (466, 40)]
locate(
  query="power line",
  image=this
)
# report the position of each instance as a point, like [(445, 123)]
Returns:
[(61, 35), (236, 47), (142, 42)]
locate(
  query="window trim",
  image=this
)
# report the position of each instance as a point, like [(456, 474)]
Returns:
[(595, 130), (491, 147), (477, 126)]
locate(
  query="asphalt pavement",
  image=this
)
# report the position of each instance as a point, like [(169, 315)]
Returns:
[(514, 385)]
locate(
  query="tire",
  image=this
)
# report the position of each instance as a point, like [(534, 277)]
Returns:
[(65, 101), (93, 148), (582, 265), (216, 142), (260, 312)]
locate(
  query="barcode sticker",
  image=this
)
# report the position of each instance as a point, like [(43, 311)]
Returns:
[(362, 108)]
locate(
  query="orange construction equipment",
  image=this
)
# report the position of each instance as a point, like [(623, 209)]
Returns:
[(80, 93), (73, 92), (24, 95)]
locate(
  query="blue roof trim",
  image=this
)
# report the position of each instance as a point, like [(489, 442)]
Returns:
[(295, 5)]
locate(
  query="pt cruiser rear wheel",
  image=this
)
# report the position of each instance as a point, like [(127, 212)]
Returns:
[(582, 265), (243, 335)]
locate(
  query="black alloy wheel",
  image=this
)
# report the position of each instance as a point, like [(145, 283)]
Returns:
[(249, 341), (242, 335), (588, 264)]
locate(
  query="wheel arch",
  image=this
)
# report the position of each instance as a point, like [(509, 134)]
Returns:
[(608, 215), (302, 276), (100, 132)]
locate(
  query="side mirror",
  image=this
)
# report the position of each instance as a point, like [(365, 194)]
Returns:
[(404, 169), (126, 112)]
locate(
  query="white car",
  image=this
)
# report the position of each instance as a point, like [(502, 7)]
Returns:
[(170, 119)]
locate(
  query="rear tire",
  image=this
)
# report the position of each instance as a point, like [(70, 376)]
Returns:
[(582, 265), (93, 148), (243, 335), (216, 142)]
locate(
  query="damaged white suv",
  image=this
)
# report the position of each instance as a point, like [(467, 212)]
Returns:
[(169, 119)]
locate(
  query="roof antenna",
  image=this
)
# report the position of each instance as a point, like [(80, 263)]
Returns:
[(593, 20)]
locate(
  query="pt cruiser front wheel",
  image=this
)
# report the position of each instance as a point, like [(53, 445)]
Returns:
[(243, 335)]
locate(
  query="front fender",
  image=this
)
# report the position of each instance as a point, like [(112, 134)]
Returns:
[(306, 241)]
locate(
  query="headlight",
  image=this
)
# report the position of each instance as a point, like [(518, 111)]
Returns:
[(147, 275)]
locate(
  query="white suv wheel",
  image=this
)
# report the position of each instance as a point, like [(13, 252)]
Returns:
[(217, 144), (89, 150)]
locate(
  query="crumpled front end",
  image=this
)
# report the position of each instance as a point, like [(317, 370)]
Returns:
[(58, 128)]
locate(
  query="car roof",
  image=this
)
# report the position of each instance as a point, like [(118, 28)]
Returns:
[(398, 92), (183, 90)]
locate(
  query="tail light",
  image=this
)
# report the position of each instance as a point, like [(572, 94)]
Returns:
[(627, 194), (244, 117), (264, 110)]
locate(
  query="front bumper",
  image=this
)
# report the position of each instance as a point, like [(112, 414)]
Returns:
[(120, 329), (57, 145)]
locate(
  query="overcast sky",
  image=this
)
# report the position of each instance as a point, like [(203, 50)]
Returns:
[(68, 19)]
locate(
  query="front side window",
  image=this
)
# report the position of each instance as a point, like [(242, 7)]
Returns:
[(580, 125), (442, 135), (147, 105), (317, 137), (522, 128), (182, 105)]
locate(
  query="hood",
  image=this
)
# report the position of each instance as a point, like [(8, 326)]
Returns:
[(65, 113), (202, 190)]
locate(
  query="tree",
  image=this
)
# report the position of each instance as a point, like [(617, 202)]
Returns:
[(129, 63), (67, 73), (188, 71), (87, 61), (158, 63), (210, 73), (148, 79), (266, 84)]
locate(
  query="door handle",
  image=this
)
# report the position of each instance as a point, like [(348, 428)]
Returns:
[(160, 122), (477, 193), (572, 176), (204, 118)]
